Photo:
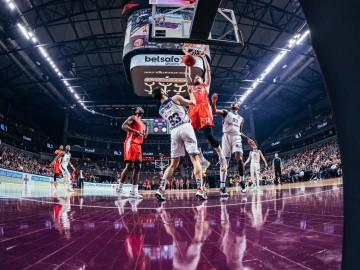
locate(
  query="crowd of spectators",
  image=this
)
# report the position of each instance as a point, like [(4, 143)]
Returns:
[(320, 162), (18, 161)]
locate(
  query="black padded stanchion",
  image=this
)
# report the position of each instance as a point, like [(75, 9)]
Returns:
[(335, 33)]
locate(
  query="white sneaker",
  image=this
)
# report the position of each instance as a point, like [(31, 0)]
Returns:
[(122, 193), (134, 204), (201, 194), (135, 195), (120, 204), (223, 165), (160, 195)]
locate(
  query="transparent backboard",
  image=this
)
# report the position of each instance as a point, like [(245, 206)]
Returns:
[(172, 23)]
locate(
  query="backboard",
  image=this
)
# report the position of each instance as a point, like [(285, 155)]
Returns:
[(173, 23)]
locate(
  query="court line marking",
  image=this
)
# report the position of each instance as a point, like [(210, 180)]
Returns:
[(175, 207)]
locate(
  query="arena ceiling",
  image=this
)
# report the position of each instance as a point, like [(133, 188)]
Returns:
[(85, 39)]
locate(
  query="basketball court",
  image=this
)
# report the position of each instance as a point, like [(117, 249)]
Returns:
[(292, 226), (295, 226)]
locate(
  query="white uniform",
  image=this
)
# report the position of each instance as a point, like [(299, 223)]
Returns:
[(255, 164), (64, 162), (182, 133), (231, 140)]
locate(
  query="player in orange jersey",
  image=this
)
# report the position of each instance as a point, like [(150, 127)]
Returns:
[(200, 114), (57, 171), (136, 130)]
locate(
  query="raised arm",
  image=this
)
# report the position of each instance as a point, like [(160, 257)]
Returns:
[(214, 109), (188, 102), (207, 71), (263, 158), (126, 125), (188, 76)]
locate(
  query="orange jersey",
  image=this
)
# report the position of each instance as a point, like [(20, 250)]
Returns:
[(201, 94), (132, 137), (57, 162)]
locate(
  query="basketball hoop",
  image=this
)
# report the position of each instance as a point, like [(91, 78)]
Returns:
[(193, 49)]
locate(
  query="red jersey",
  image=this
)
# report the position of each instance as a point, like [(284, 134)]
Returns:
[(57, 162), (132, 137), (201, 94)]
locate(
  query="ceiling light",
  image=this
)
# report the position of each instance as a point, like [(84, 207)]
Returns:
[(76, 96), (23, 31), (11, 5), (295, 40)]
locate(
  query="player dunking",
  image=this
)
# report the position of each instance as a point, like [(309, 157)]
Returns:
[(200, 114), (64, 158), (182, 135), (231, 140), (254, 157), (57, 171), (134, 126)]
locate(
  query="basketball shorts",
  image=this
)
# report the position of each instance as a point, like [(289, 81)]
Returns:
[(64, 170), (57, 168), (231, 144), (201, 116), (132, 152), (255, 171), (183, 137)]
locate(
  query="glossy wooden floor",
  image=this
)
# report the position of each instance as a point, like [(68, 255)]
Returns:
[(293, 226)]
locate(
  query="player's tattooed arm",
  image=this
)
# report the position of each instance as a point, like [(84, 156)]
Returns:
[(207, 71), (126, 125), (214, 109)]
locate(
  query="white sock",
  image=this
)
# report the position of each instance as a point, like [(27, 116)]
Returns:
[(199, 183), (223, 176), (163, 184)]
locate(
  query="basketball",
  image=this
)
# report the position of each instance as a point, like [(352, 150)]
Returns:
[(189, 60)]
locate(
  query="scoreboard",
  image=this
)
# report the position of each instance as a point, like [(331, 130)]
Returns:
[(158, 126)]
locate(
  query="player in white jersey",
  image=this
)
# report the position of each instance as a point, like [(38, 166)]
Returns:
[(254, 157), (64, 163), (182, 136), (231, 140)]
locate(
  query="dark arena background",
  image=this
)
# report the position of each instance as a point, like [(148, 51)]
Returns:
[(93, 177)]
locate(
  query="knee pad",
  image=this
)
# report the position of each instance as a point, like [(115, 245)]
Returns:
[(210, 136)]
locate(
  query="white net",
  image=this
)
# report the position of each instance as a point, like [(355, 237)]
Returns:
[(193, 49)]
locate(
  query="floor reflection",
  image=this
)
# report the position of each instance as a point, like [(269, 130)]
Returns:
[(295, 227)]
